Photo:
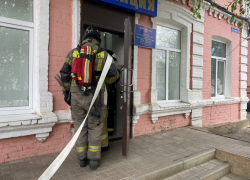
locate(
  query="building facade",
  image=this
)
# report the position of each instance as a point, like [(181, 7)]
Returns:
[(196, 75)]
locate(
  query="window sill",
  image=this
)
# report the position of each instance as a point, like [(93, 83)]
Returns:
[(27, 124), (162, 109), (222, 100), (173, 105), (18, 118), (170, 108)]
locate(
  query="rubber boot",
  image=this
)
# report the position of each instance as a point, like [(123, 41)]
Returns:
[(83, 162), (94, 164)]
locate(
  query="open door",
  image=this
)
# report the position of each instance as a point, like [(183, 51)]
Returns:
[(127, 86)]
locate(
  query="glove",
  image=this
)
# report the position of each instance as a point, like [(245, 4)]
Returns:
[(67, 97)]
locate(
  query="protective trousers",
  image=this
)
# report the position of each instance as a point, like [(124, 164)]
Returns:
[(88, 143), (105, 139)]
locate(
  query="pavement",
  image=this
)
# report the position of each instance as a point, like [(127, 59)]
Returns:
[(145, 154), (242, 134)]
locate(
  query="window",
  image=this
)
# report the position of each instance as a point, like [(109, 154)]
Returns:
[(168, 60), (218, 69), (16, 51)]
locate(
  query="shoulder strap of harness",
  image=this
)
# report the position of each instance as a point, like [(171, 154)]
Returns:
[(94, 80)]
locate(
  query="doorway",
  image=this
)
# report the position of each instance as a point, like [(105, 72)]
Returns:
[(115, 43), (110, 22)]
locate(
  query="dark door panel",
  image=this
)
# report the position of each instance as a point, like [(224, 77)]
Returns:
[(103, 16), (127, 84)]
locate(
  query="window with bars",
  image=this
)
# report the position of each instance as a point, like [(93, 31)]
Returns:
[(168, 63), (218, 69)]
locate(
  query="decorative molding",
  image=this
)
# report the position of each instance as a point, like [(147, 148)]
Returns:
[(154, 119), (135, 121), (156, 108), (243, 72), (216, 13), (236, 22), (208, 7), (42, 136), (10, 131), (232, 22), (63, 116), (221, 15), (225, 16), (211, 11), (156, 115), (187, 114)]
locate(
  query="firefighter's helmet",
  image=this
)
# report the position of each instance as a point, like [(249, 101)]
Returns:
[(92, 31)]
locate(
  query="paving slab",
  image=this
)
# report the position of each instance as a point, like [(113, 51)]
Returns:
[(232, 176), (146, 153)]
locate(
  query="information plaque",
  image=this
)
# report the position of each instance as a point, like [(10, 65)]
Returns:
[(145, 36)]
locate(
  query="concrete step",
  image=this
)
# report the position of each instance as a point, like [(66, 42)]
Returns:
[(232, 176), (177, 167), (211, 170)]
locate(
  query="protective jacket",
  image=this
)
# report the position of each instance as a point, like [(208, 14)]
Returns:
[(69, 83), (89, 142)]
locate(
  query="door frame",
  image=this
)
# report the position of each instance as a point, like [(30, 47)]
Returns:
[(114, 31)]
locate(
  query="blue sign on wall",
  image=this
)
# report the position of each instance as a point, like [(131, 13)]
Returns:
[(145, 7), (145, 36), (235, 30)]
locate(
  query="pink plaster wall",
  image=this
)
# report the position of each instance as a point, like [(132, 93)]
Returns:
[(146, 126), (213, 26), (29, 146), (225, 3), (220, 114), (60, 43), (144, 66)]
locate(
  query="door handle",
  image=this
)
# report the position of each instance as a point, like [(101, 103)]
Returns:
[(122, 74), (132, 72)]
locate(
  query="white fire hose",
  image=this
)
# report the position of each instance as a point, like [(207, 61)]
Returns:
[(50, 171)]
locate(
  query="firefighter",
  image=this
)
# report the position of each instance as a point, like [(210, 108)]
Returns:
[(108, 123), (88, 145)]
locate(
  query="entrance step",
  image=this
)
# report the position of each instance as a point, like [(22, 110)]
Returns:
[(211, 170), (179, 166), (233, 177)]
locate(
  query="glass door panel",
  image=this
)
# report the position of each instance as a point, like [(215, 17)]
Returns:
[(161, 74), (174, 75), (220, 78)]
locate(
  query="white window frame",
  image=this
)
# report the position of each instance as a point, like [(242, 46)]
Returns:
[(222, 59), (27, 26), (170, 26)]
